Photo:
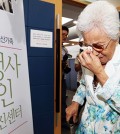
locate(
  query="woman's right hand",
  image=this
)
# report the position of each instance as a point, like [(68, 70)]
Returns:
[(72, 111)]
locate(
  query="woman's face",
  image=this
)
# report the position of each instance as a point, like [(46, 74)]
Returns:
[(99, 37)]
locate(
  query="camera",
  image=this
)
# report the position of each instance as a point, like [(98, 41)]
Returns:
[(65, 66)]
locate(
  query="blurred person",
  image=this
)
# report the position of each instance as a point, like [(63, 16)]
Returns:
[(99, 25), (78, 70), (77, 67), (65, 70)]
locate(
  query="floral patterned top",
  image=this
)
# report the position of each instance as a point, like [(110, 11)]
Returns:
[(102, 110)]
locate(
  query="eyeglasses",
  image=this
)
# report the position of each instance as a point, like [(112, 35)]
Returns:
[(97, 47)]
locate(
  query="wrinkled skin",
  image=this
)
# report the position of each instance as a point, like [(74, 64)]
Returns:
[(94, 61)]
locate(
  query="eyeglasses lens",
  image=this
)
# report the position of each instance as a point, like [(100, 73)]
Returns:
[(97, 48)]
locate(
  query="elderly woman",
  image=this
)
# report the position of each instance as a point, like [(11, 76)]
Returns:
[(99, 25)]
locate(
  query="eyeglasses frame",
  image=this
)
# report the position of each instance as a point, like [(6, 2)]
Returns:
[(102, 47)]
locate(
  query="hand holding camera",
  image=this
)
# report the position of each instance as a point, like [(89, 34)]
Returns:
[(65, 66)]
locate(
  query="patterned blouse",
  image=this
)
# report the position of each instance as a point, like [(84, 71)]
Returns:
[(102, 110)]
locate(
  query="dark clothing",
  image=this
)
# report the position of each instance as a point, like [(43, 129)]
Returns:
[(63, 98), (65, 70), (78, 84), (64, 106)]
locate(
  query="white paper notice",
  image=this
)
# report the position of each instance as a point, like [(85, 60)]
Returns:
[(41, 39)]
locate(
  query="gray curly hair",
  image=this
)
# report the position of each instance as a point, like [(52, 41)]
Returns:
[(101, 14)]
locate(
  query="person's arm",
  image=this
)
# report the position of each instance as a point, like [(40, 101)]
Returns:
[(92, 63), (78, 99), (80, 93), (110, 92), (72, 111), (110, 86)]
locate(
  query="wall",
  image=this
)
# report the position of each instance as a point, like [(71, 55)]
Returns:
[(39, 16)]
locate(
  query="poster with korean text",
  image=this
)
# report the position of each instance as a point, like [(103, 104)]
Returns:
[(15, 98)]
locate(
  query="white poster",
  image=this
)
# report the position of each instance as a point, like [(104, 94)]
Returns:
[(15, 99), (39, 38)]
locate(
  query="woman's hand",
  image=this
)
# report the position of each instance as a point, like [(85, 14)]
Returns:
[(91, 61), (72, 111)]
